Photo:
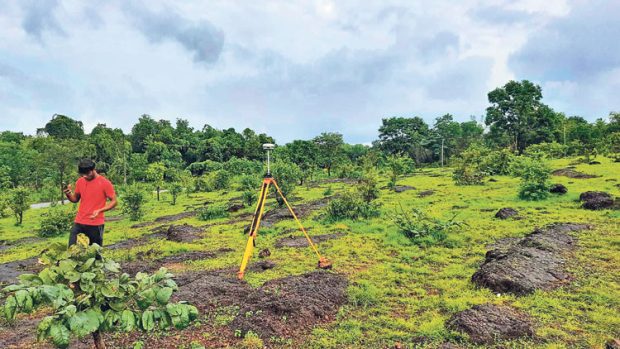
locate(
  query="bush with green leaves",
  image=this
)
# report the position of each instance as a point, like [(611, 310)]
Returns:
[(469, 169), (249, 197), (350, 171), (55, 221), (206, 213), (242, 166), (350, 206), (88, 295), (534, 174), (551, 150), (19, 202), (133, 199), (248, 182), (218, 180), (368, 185), (398, 166), (4, 206), (175, 189), (423, 229), (496, 162)]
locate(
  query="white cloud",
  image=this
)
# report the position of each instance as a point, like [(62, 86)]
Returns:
[(291, 69)]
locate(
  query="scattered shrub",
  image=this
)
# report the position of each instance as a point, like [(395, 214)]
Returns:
[(328, 191), (55, 221), (496, 162), (552, 150), (249, 197), (219, 180), (243, 166), (19, 202), (469, 169), (133, 200), (398, 165), (422, 229), (367, 187), (534, 178), (350, 206), (286, 174), (212, 212), (175, 189), (249, 182)]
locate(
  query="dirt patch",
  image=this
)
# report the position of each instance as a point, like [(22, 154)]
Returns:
[(488, 323), (558, 189), (301, 241), (183, 233), (596, 200), (262, 266), (534, 262), (402, 188), (301, 210), (10, 271), (114, 218), (291, 305), (506, 212), (426, 193), (571, 173), (235, 206), (144, 263)]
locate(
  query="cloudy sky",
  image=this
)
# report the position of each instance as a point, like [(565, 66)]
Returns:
[(294, 68)]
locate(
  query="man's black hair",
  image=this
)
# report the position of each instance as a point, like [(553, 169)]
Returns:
[(85, 166)]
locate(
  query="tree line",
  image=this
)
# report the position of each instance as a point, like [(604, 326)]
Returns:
[(157, 151)]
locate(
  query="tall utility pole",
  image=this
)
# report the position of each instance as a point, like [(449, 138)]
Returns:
[(442, 152)]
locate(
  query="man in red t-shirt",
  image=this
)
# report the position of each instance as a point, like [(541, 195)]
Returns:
[(92, 190)]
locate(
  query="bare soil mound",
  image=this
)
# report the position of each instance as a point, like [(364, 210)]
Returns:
[(426, 193), (301, 241), (183, 233), (291, 305), (535, 262), (301, 210), (488, 323), (144, 264), (166, 219), (571, 173), (596, 200)]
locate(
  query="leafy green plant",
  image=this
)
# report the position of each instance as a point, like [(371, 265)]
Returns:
[(89, 295), (133, 200), (249, 183), (249, 197), (54, 222), (368, 185), (534, 175), (219, 180), (175, 189), (423, 229), (212, 212), (398, 165), (350, 206), (19, 202), (469, 170), (286, 175), (4, 206)]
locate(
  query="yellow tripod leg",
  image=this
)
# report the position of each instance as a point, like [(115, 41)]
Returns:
[(323, 262), (258, 214)]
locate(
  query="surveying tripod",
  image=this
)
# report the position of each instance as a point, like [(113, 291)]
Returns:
[(268, 180)]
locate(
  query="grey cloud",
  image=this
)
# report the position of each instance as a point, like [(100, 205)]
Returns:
[(461, 79), (202, 38), (575, 47), (39, 16)]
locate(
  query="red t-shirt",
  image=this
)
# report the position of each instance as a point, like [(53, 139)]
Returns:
[(93, 196)]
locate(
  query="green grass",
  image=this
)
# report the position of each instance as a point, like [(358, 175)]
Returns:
[(401, 292)]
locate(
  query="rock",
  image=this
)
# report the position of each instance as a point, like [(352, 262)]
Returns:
[(596, 200), (183, 233), (492, 180), (488, 323), (534, 262), (234, 207), (426, 193), (264, 253), (402, 188), (262, 266), (594, 162), (506, 212), (558, 189), (613, 344), (301, 241)]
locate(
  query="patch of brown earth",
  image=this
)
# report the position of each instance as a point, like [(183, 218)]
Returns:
[(301, 210), (145, 264), (571, 173)]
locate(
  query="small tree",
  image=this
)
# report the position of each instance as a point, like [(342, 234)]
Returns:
[(155, 173), (398, 165), (423, 229), (89, 295), (367, 187), (19, 202), (132, 200), (534, 178), (175, 189), (469, 170)]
